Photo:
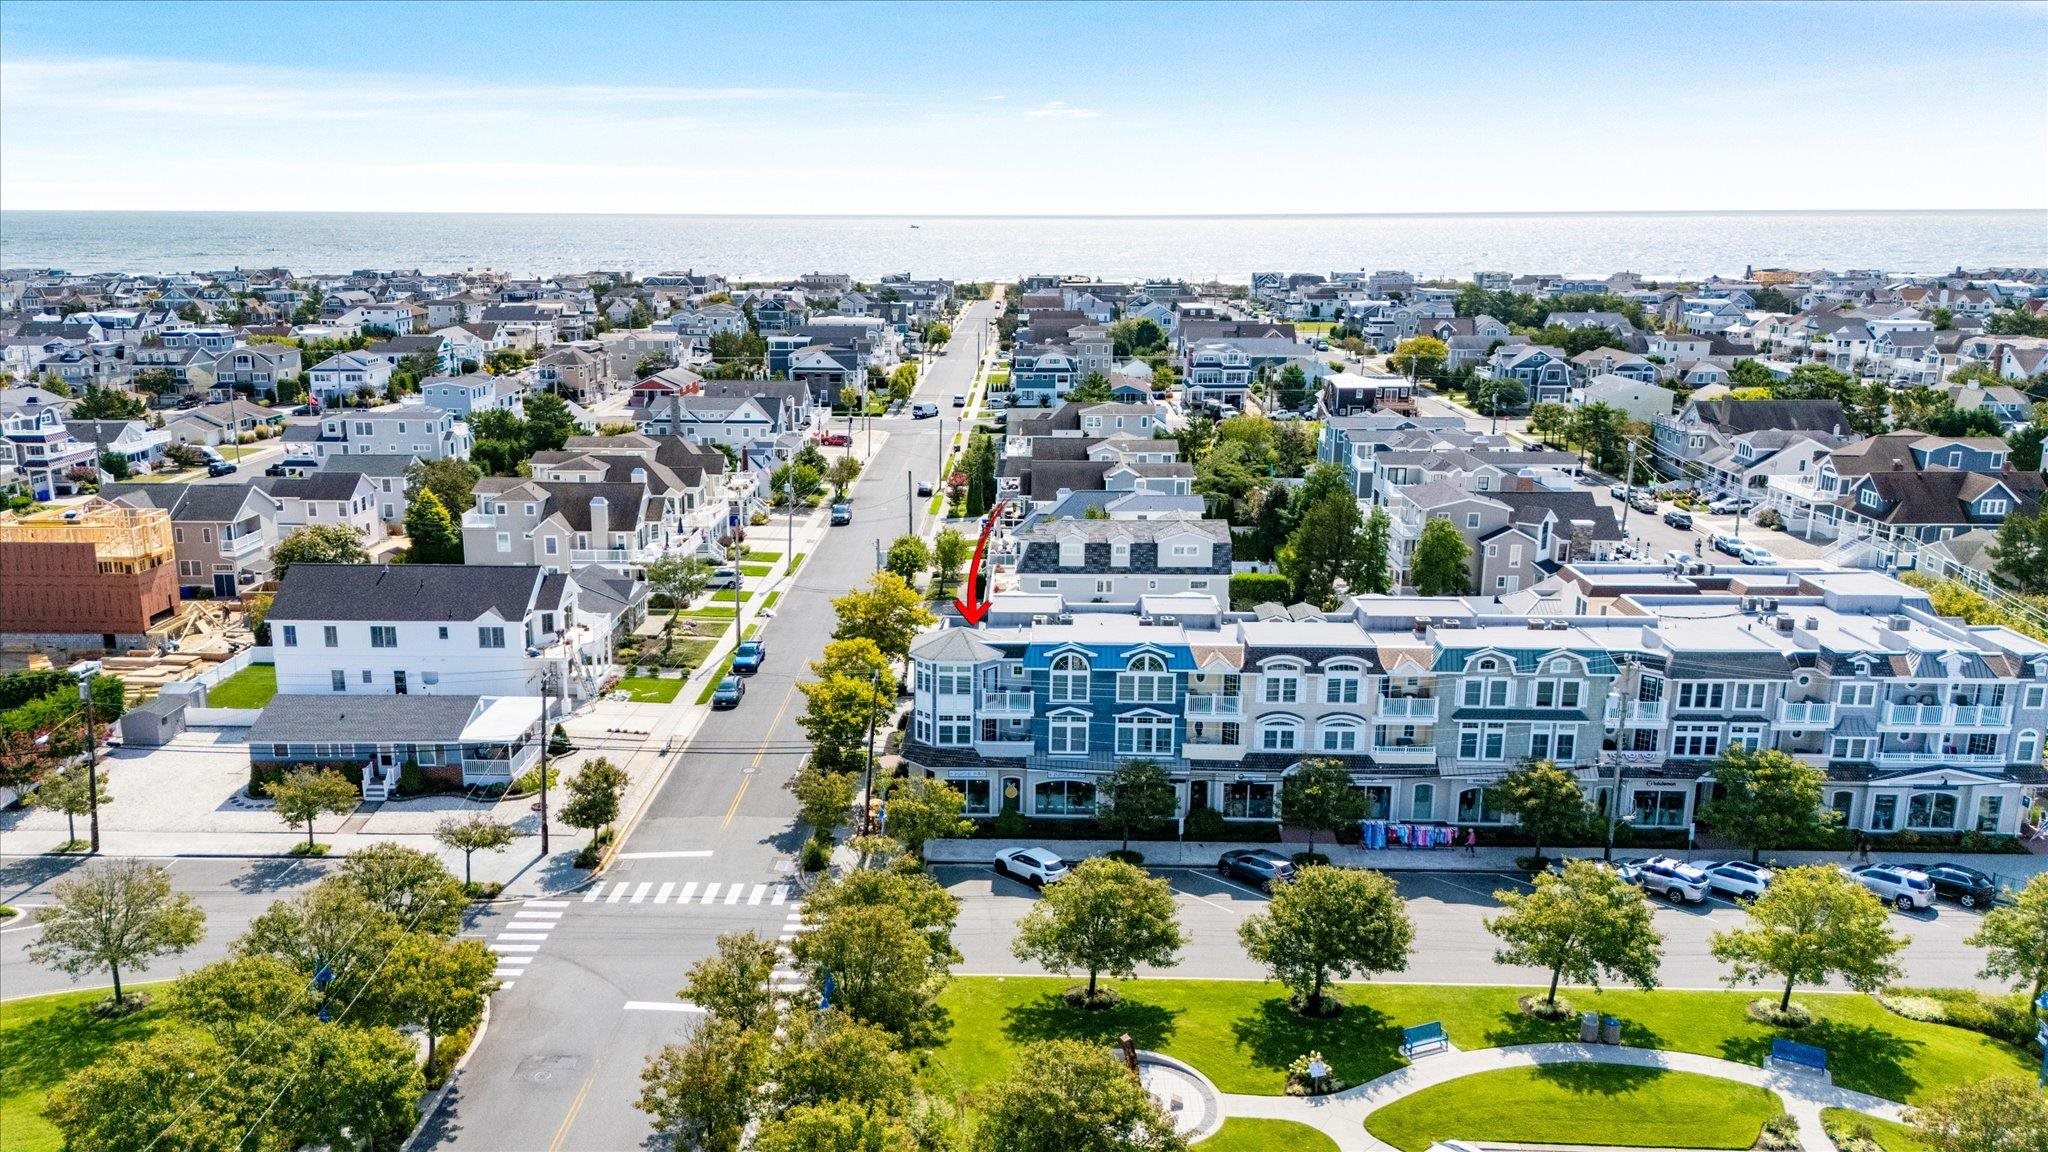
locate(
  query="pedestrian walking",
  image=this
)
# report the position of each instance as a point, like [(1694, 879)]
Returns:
[(1471, 841)]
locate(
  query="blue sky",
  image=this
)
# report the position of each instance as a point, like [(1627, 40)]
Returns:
[(1064, 108)]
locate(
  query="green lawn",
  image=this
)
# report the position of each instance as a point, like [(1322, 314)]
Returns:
[(728, 596), (1242, 1135), (756, 569), (652, 689), (44, 1039), (252, 687), (760, 557), (769, 600), (1243, 1035), (1890, 1136), (1580, 1104)]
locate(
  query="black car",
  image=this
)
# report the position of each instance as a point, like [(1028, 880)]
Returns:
[(1260, 866), (220, 467), (1678, 518), (1965, 886)]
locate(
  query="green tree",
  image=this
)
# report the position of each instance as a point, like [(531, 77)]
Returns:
[(804, 481), (549, 422), (331, 929), (351, 1087), (2014, 938), (116, 914), (1136, 796), (1767, 800), (1750, 374), (476, 832), (1374, 567), (1071, 1096), (1093, 389), (594, 796), (853, 695), (114, 464), (2015, 320), (1581, 924), (879, 966), (1503, 397), (437, 985), (1318, 796), (240, 998), (732, 984), (451, 479), (950, 553), (434, 537), (318, 544), (1999, 1114), (1421, 356), (1812, 922), (887, 611), (1601, 431), (1293, 390), (306, 794), (1323, 548), (979, 464), (1104, 916), (413, 886), (921, 809), (1224, 477), (702, 1093), (2026, 447), (840, 474), (908, 557), (823, 797), (678, 580), (925, 904), (107, 404), (1139, 336), (829, 1056), (1439, 564), (1544, 799), (70, 790), (2020, 558), (140, 1096), (1294, 448), (1329, 923), (1549, 420)]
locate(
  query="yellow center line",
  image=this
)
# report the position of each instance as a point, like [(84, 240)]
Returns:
[(760, 755), (575, 1106)]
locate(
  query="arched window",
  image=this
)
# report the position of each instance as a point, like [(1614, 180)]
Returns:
[(1069, 678), (2027, 748), (1282, 684), (1066, 734), (1338, 735), (1279, 734), (1145, 680), (1341, 683)]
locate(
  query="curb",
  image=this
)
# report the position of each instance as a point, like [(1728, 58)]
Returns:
[(430, 1105)]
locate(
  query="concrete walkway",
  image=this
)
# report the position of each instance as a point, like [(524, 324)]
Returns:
[(1341, 1116)]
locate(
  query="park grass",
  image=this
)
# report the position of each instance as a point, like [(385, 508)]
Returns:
[(652, 689), (252, 687), (1890, 1135), (1580, 1104), (43, 1039), (1242, 1134), (1243, 1034)]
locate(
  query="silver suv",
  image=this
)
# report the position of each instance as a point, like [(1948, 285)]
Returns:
[(1902, 888), (1675, 880)]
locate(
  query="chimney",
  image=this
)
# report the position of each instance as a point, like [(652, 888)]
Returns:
[(600, 522)]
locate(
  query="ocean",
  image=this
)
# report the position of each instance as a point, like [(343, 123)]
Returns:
[(1658, 245)]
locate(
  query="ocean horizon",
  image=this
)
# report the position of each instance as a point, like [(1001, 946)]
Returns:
[(1657, 244)]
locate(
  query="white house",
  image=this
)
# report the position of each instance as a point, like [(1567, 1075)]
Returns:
[(346, 373), (1645, 402)]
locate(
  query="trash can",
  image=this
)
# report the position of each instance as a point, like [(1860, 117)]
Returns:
[(1589, 1028), (1610, 1030)]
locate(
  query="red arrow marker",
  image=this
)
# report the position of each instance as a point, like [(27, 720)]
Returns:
[(974, 606)]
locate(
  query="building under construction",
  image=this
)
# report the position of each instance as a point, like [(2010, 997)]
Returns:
[(94, 570)]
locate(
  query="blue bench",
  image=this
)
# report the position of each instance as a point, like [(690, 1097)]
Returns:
[(1424, 1038), (1798, 1057)]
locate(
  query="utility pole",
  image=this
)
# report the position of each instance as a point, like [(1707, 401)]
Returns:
[(547, 736), (789, 548), (909, 502), (1630, 686), (92, 761), (867, 804), (1628, 488)]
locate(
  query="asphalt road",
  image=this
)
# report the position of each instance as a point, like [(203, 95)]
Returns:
[(560, 1065), (1452, 944)]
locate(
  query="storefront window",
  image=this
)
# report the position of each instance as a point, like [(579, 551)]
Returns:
[(1064, 798), (1243, 800), (1884, 813), (977, 794), (1932, 811), (1659, 809), (1989, 809)]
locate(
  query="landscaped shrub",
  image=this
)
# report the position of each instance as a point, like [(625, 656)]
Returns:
[(446, 1053), (1206, 824), (816, 855), (2002, 1017), (1250, 589), (262, 776), (411, 781)]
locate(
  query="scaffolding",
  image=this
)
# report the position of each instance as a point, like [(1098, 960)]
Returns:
[(125, 540)]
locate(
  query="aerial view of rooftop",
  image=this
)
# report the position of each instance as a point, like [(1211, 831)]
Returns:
[(1023, 577)]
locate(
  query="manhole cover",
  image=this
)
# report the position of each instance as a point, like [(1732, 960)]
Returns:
[(548, 1071)]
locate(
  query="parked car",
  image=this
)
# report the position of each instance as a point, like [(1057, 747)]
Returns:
[(924, 488), (1643, 502), (842, 514), (1034, 866), (1727, 504), (746, 660), (1737, 879), (220, 467), (1262, 867), (1619, 491), (834, 439), (959, 401), (1678, 518), (726, 577), (1751, 554), (923, 411), (729, 693), (1898, 886), (1965, 886), (895, 406), (1728, 544), (1675, 880)]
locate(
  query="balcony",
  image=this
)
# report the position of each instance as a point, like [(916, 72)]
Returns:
[(1646, 712), (1938, 759), (239, 547), (1404, 753), (1415, 709), (1005, 704), (1807, 713), (646, 554), (1979, 716), (1215, 704), (1928, 716)]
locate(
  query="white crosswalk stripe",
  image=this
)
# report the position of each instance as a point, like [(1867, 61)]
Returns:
[(497, 947), (689, 890), (710, 892), (661, 896), (697, 892), (640, 893), (524, 932), (733, 897), (522, 937)]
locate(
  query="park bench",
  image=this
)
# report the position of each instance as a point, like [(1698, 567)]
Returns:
[(1794, 1056), (1424, 1038)]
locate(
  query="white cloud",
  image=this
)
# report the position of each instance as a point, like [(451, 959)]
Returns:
[(997, 96), (1061, 109)]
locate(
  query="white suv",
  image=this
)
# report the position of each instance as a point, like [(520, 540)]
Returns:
[(1675, 880), (1902, 888), (1034, 866), (1737, 879)]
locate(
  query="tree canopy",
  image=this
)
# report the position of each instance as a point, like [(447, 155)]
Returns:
[(1329, 923), (1812, 922), (1580, 924), (1103, 916)]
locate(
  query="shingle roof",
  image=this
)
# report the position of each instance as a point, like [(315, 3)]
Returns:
[(434, 592), (324, 719)]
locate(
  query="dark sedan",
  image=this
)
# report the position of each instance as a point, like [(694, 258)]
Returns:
[(1965, 886), (1262, 868)]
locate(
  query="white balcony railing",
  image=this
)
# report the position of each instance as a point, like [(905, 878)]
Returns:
[(1913, 715), (1415, 708), (246, 544), (1404, 753), (1006, 704), (1807, 713), (1214, 704), (1646, 712), (1943, 759), (1979, 716), (638, 555)]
